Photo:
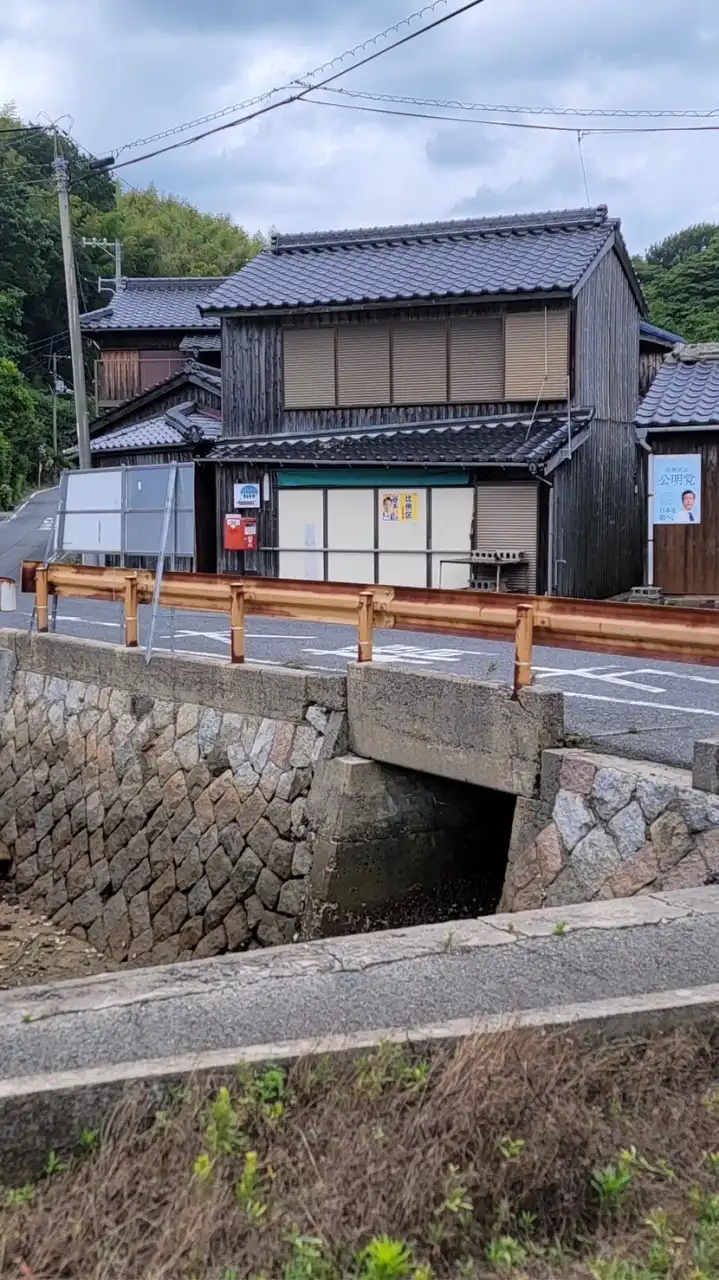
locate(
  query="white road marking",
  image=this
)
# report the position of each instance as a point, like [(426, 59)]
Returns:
[(605, 674), (678, 675), (633, 702), (414, 655), (86, 622)]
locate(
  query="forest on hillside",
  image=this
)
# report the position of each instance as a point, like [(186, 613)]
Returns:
[(163, 235)]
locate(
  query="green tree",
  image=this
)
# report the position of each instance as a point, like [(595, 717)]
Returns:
[(21, 430), (680, 278)]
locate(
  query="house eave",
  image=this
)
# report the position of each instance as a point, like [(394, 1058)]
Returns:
[(390, 304)]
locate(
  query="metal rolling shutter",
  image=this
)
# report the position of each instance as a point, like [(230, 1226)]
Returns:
[(536, 354), (419, 362), (505, 519), (309, 368), (476, 359), (363, 364)]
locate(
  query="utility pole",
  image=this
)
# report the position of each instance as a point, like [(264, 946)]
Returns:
[(60, 169), (114, 248)]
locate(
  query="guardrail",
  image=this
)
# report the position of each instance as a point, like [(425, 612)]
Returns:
[(651, 631)]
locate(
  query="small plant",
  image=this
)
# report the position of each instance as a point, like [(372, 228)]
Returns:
[(248, 1189), (527, 1222), (612, 1184), (505, 1251), (20, 1195), (203, 1167), (511, 1148), (28, 1017), (222, 1133), (309, 1261), (89, 1139), (454, 1214), (384, 1259), (54, 1164), (712, 1159), (378, 1070), (414, 1077), (560, 929)]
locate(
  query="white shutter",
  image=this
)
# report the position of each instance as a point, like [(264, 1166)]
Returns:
[(536, 354), (309, 368)]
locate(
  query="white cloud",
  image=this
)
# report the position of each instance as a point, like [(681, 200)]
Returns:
[(128, 68)]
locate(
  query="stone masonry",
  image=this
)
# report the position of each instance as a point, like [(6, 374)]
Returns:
[(155, 828), (607, 827)]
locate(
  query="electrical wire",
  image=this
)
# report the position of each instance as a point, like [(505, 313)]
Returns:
[(455, 104), (297, 97), (513, 124), (269, 93)]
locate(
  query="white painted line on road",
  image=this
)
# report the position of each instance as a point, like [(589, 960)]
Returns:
[(605, 674), (86, 622), (634, 702), (678, 675)]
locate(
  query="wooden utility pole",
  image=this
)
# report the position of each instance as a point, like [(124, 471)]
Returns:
[(60, 169)]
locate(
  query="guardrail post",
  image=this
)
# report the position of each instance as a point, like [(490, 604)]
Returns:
[(41, 597), (131, 628), (237, 622), (365, 626), (523, 638)]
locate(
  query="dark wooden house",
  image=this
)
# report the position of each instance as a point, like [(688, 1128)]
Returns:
[(147, 332), (678, 424), (655, 345), (406, 396)]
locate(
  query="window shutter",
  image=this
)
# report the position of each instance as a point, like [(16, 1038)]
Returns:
[(419, 367), (363, 364), (309, 367), (505, 519), (476, 359), (536, 344)]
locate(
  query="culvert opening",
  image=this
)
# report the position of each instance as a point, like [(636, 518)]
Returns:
[(441, 856)]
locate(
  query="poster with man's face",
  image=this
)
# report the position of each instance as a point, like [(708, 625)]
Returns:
[(677, 488)]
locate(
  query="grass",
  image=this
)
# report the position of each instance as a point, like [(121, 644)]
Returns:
[(515, 1156)]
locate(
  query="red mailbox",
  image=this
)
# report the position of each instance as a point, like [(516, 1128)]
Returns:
[(240, 533)]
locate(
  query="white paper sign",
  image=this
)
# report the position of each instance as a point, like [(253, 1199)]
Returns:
[(246, 495), (677, 488)]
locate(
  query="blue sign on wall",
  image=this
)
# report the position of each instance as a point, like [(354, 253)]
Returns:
[(246, 495), (677, 488)]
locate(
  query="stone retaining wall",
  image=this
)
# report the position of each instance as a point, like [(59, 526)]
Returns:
[(607, 827), (159, 828)]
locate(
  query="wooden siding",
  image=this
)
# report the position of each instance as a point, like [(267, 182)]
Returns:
[(599, 497), (252, 379), (262, 562), (686, 557), (650, 362), (144, 458)]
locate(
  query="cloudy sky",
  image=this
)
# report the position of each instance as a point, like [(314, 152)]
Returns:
[(126, 69)]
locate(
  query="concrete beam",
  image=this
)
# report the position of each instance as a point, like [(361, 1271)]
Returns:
[(453, 726)]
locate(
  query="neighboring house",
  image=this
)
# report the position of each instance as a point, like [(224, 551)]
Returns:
[(446, 373), (679, 419), (654, 346), (177, 421), (147, 332)]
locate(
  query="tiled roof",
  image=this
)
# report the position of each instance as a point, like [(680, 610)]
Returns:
[(201, 342), (194, 375), (685, 392), (512, 440), (652, 333), (474, 256), (184, 424), (155, 302)]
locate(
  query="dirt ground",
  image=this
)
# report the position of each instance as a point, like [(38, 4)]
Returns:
[(33, 952)]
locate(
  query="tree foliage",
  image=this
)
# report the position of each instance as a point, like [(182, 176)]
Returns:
[(680, 277), (161, 235)]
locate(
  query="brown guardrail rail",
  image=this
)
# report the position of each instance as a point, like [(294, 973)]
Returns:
[(634, 630)]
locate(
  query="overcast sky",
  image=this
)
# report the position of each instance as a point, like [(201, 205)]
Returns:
[(125, 69)]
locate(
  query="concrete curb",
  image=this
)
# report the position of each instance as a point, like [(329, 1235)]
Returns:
[(48, 1112)]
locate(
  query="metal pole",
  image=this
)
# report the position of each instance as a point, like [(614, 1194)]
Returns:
[(365, 626), (118, 265), (131, 631), (650, 520), (41, 597), (523, 638), (60, 169), (237, 622), (54, 404)]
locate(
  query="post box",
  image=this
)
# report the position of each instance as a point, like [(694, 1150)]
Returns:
[(240, 533)]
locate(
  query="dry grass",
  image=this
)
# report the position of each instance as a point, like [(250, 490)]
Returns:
[(497, 1140)]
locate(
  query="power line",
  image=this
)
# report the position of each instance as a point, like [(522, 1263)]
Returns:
[(269, 93), (626, 113), (297, 97), (512, 124)]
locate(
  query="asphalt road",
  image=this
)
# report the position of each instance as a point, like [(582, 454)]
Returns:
[(637, 707)]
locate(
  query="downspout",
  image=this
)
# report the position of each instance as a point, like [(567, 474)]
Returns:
[(650, 516)]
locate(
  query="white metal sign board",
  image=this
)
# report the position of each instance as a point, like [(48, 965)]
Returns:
[(246, 495)]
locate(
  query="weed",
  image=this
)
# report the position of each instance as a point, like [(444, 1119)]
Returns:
[(89, 1139), (527, 1222), (377, 1071), (712, 1159), (612, 1184), (28, 1017), (249, 1187), (454, 1214), (560, 929), (505, 1251), (20, 1195), (309, 1261), (54, 1164), (203, 1167), (222, 1134), (384, 1259), (511, 1148)]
